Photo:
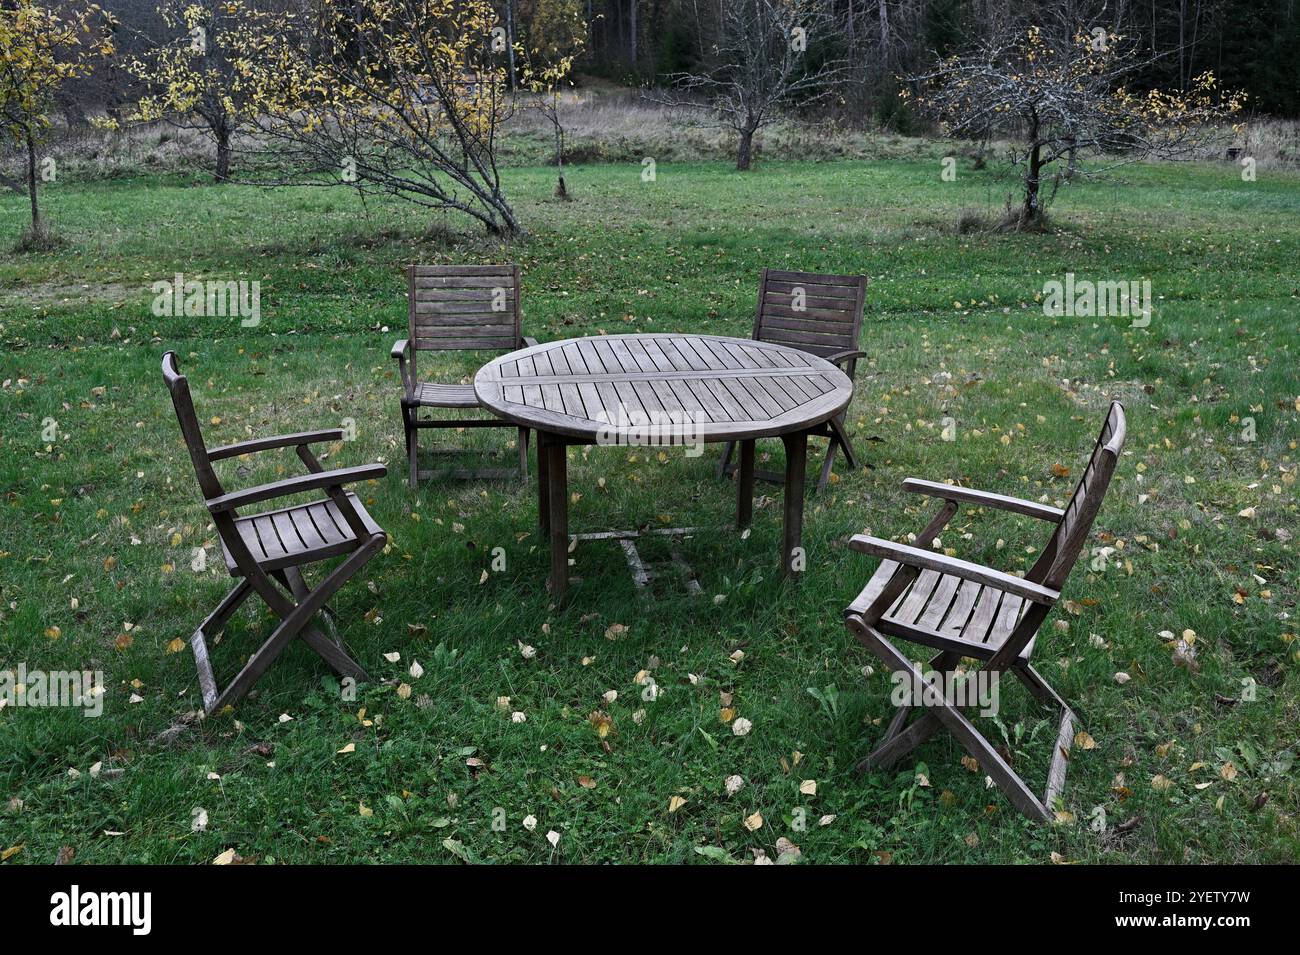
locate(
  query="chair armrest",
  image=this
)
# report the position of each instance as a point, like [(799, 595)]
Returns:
[(295, 485), (967, 495), (300, 439), (840, 357), (528, 340), (942, 563), (400, 348)]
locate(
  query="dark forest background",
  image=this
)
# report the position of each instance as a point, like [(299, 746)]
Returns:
[(1250, 45)]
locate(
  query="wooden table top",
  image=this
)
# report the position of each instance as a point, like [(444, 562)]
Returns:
[(721, 389)]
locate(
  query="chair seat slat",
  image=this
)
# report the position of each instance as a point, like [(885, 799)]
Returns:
[(940, 600)]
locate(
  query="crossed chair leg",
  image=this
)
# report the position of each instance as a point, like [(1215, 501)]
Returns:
[(838, 438), (296, 618), (936, 712)]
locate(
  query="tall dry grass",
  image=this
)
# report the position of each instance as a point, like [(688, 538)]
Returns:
[(603, 124)]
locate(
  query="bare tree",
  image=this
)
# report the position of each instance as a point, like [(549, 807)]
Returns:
[(1059, 89), (758, 62), (546, 74)]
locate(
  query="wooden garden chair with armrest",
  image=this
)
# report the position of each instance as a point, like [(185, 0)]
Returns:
[(457, 308), (820, 314), (271, 547), (962, 609)]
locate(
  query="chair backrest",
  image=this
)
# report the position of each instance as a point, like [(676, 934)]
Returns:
[(821, 314), (1054, 564), (179, 387), (463, 307)]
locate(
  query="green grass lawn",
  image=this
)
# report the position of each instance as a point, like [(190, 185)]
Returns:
[(99, 527)]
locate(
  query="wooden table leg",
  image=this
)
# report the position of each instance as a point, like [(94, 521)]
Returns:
[(557, 493), (543, 495), (793, 560), (745, 486)]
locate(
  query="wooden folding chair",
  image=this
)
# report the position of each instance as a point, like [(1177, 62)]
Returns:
[(272, 546), (821, 314), (457, 308), (964, 609)]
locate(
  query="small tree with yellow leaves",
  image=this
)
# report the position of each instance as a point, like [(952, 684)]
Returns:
[(400, 97), (40, 49), (191, 74), (1059, 91)]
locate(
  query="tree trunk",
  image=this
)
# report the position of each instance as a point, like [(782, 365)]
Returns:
[(745, 150), (222, 133), (561, 190), (510, 42), (500, 218), (884, 35), (1031, 210), (631, 23), (38, 227)]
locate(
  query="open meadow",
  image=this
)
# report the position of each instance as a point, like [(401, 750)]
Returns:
[(1186, 757)]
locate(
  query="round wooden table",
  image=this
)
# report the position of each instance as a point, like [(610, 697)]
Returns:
[(665, 390)]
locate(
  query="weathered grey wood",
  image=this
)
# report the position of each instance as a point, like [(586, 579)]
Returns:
[(464, 308), (213, 624), (275, 544), (942, 563), (292, 577), (955, 721), (293, 622), (966, 495), (557, 490), (468, 474), (893, 748), (963, 608), (684, 572), (1060, 759), (897, 741), (901, 716), (635, 534), (636, 372), (745, 486), (278, 441), (295, 485), (1039, 687), (699, 386), (640, 576), (820, 315), (543, 487), (794, 560)]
